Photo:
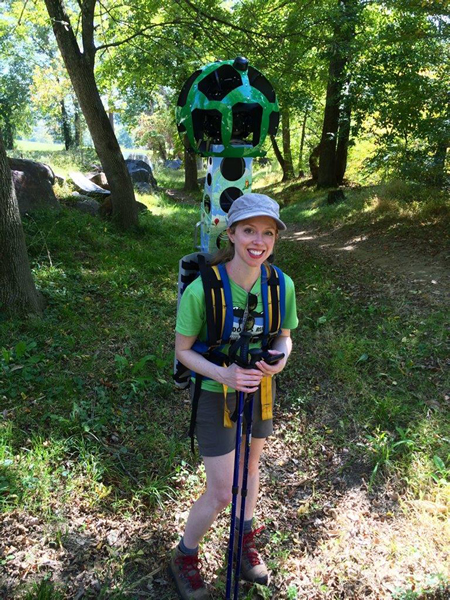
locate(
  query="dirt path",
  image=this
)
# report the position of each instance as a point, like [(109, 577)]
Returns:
[(419, 266)]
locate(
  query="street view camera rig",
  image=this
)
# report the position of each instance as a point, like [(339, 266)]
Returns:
[(224, 112)]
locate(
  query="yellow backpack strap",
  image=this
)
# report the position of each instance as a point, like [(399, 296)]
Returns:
[(266, 398)]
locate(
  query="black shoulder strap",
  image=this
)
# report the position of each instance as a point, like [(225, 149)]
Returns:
[(214, 303)]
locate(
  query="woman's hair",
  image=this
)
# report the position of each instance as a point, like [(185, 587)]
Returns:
[(224, 255)]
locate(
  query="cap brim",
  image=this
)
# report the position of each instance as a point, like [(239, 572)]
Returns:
[(258, 213)]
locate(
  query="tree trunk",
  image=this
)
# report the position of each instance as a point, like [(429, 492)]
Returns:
[(288, 171), (190, 171), (301, 167), (80, 67), (314, 163), (342, 147), (65, 126), (327, 159), (344, 30), (277, 152), (18, 294), (78, 140)]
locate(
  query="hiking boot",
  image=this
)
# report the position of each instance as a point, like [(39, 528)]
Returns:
[(186, 574), (252, 565)]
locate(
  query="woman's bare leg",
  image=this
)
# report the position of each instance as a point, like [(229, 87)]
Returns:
[(217, 496)]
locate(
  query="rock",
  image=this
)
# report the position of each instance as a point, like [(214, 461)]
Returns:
[(99, 179), (139, 156), (139, 176), (33, 183), (87, 205), (140, 172), (59, 179), (143, 188), (87, 186), (173, 164)]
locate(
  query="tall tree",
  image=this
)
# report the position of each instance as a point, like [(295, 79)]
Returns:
[(18, 294), (80, 66), (340, 53)]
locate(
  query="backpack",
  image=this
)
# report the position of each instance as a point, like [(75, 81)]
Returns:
[(219, 315)]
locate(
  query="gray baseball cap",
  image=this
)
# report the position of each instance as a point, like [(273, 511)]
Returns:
[(254, 205)]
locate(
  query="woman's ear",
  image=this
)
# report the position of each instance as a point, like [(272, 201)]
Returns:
[(230, 235)]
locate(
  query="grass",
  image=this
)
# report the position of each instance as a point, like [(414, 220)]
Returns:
[(89, 416)]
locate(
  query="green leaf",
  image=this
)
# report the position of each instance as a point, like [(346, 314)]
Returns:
[(363, 358), (440, 465), (20, 349)]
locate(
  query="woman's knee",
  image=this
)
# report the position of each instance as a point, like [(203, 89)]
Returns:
[(221, 497)]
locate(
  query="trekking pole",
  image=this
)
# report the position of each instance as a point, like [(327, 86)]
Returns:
[(248, 409), (255, 356), (237, 456)]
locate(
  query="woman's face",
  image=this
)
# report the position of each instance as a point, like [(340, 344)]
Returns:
[(254, 239)]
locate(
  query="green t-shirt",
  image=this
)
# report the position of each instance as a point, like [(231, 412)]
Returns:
[(191, 317)]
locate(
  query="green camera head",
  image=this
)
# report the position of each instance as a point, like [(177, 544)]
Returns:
[(227, 104)]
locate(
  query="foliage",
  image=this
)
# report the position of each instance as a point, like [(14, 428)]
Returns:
[(157, 131), (14, 100), (402, 84)]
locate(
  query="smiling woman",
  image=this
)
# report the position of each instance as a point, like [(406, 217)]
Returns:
[(253, 224)]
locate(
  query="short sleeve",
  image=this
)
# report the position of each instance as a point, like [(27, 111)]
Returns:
[(290, 320), (191, 316)]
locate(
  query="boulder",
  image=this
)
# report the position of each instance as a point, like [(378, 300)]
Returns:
[(143, 188), (140, 156), (99, 179), (33, 183), (86, 186), (140, 172), (86, 204), (173, 164)]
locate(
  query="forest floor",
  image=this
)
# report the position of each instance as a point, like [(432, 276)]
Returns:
[(328, 534)]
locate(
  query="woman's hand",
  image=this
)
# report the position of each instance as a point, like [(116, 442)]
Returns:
[(242, 380), (272, 369)]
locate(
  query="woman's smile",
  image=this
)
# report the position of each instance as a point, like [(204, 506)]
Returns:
[(254, 239)]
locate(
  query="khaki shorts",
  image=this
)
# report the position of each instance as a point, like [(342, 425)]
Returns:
[(214, 439)]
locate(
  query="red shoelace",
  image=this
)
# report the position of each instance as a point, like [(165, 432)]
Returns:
[(249, 546), (190, 566)]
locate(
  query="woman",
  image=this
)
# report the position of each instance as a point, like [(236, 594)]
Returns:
[(253, 224)]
